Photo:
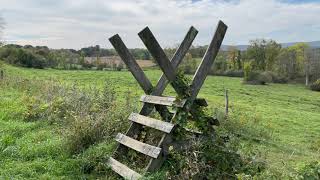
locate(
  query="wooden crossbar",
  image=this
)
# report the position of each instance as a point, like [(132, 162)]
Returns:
[(167, 101), (141, 147), (151, 122), (123, 170)]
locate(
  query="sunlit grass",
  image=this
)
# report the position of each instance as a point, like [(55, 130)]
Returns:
[(290, 112)]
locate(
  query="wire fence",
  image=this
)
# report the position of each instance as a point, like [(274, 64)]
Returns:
[(313, 63)]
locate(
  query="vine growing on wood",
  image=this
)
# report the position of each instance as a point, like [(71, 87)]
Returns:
[(199, 113)]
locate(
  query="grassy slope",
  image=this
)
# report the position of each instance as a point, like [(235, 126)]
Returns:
[(290, 112)]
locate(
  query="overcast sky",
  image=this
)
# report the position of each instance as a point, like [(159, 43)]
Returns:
[(80, 23)]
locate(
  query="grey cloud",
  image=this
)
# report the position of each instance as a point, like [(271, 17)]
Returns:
[(78, 23)]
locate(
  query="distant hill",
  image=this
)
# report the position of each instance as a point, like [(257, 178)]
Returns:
[(312, 44)]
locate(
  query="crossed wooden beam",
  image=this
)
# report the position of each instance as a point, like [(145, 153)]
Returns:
[(169, 68)]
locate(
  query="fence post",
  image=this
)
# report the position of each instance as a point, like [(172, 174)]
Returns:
[(1, 74), (226, 102)]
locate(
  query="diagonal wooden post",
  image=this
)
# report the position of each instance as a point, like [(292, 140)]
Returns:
[(208, 59)]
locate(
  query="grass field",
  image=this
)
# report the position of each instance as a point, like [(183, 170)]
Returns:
[(289, 112)]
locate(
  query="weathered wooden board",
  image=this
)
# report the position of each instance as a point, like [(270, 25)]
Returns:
[(151, 122), (162, 100), (157, 53), (208, 59), (123, 170), (131, 63), (146, 149)]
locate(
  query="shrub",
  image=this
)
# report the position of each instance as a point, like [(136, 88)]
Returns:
[(234, 73), (275, 78), (87, 116), (309, 171), (256, 77), (247, 68), (315, 86), (221, 157), (22, 57), (280, 79)]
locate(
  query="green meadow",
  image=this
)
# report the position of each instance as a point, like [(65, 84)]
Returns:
[(289, 113)]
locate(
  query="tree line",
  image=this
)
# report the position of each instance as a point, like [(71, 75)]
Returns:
[(43, 57), (263, 60)]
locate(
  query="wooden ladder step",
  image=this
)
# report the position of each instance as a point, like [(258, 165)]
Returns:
[(151, 122), (144, 148), (123, 170), (162, 100)]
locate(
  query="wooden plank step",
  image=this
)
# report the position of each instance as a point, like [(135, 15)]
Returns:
[(151, 122), (144, 148), (162, 100), (123, 170)]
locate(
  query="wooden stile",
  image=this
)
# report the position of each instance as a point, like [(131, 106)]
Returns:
[(153, 98)]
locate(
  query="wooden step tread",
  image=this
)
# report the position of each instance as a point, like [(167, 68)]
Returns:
[(123, 170), (162, 100), (144, 148), (151, 122)]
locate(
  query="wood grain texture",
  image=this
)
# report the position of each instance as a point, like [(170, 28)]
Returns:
[(157, 53), (141, 147), (123, 170), (151, 122), (208, 59), (131, 63), (176, 59), (163, 100)]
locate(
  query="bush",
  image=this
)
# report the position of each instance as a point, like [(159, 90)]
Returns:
[(309, 171), (86, 116), (275, 78), (257, 77), (220, 157), (234, 73), (22, 57), (315, 86)]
